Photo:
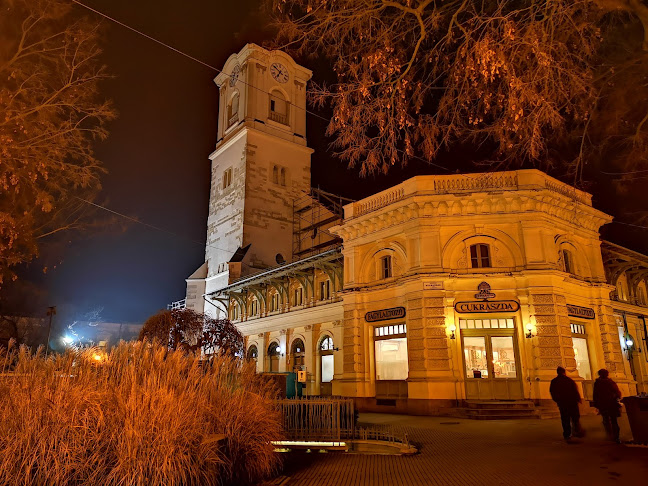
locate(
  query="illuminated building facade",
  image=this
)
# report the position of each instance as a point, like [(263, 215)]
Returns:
[(435, 292)]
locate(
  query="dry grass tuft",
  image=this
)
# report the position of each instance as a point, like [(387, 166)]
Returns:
[(142, 415)]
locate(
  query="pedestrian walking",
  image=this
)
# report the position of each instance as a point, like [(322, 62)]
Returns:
[(564, 392), (606, 399)]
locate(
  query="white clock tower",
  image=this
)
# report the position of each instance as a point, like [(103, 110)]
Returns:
[(260, 166)]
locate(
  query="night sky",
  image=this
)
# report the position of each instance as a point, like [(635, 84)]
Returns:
[(157, 152)]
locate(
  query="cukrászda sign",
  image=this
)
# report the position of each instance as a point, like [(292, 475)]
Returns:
[(385, 314), (482, 307)]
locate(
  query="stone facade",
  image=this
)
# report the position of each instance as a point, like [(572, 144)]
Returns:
[(445, 289)]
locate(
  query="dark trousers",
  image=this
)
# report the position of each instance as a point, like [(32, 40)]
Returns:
[(611, 425), (570, 418)]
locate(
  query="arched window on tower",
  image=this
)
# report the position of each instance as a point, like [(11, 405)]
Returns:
[(232, 109), (282, 180), (275, 174), (278, 108)]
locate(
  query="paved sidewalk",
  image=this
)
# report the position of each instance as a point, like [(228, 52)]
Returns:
[(468, 452)]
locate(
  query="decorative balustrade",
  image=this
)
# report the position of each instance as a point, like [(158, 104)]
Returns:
[(568, 191), (279, 118), (475, 182), (379, 201)]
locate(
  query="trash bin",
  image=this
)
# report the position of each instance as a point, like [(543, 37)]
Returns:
[(637, 410)]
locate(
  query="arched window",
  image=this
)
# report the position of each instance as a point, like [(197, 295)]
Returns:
[(283, 177), (326, 344), (386, 267), (480, 256), (298, 353), (232, 109), (278, 108), (275, 174), (253, 353), (567, 261)]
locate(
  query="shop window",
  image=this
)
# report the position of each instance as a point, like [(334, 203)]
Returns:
[(391, 352), (227, 178), (475, 356), (386, 267), (299, 296), (391, 359), (480, 256), (325, 290), (581, 354), (503, 357), (568, 262), (252, 353)]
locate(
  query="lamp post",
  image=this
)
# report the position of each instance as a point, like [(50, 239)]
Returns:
[(51, 311)]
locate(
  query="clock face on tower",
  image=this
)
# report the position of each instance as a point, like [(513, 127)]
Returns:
[(279, 72), (235, 75)]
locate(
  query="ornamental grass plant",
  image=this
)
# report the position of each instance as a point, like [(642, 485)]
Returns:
[(139, 415)]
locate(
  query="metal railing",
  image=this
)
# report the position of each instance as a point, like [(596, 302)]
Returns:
[(177, 305), (279, 118)]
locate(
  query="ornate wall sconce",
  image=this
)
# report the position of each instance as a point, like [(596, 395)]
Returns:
[(452, 330), (529, 328)]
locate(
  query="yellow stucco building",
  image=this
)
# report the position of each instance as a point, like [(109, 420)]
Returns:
[(438, 293)]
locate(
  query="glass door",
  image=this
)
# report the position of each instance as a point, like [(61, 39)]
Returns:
[(491, 366)]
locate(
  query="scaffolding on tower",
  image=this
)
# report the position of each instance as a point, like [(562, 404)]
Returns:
[(314, 214)]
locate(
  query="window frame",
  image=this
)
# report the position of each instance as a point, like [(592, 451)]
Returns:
[(478, 259)]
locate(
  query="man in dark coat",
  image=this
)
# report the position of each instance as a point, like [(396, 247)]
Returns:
[(606, 399), (564, 392)]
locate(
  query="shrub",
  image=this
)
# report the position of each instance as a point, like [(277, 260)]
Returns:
[(140, 415), (192, 331)]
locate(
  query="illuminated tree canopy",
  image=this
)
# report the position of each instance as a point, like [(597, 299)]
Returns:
[(541, 82), (193, 332), (51, 113)]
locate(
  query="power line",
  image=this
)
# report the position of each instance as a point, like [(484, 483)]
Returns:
[(317, 115), (148, 225)]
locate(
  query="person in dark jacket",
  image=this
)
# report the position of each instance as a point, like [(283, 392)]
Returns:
[(564, 392), (606, 399)]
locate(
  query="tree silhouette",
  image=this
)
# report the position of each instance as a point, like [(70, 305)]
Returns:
[(184, 329), (541, 82), (51, 113)]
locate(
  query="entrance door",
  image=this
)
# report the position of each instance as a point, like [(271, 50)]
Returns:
[(491, 365)]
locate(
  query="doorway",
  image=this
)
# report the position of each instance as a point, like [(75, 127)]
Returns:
[(491, 364)]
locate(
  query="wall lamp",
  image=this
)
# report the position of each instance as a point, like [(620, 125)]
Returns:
[(452, 329), (529, 328)]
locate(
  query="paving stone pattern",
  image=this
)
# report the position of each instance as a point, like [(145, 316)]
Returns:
[(466, 452)]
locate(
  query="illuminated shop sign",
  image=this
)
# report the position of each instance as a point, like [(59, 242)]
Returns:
[(486, 306), (578, 311), (385, 314)]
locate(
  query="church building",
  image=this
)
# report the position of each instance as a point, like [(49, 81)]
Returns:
[(436, 293)]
